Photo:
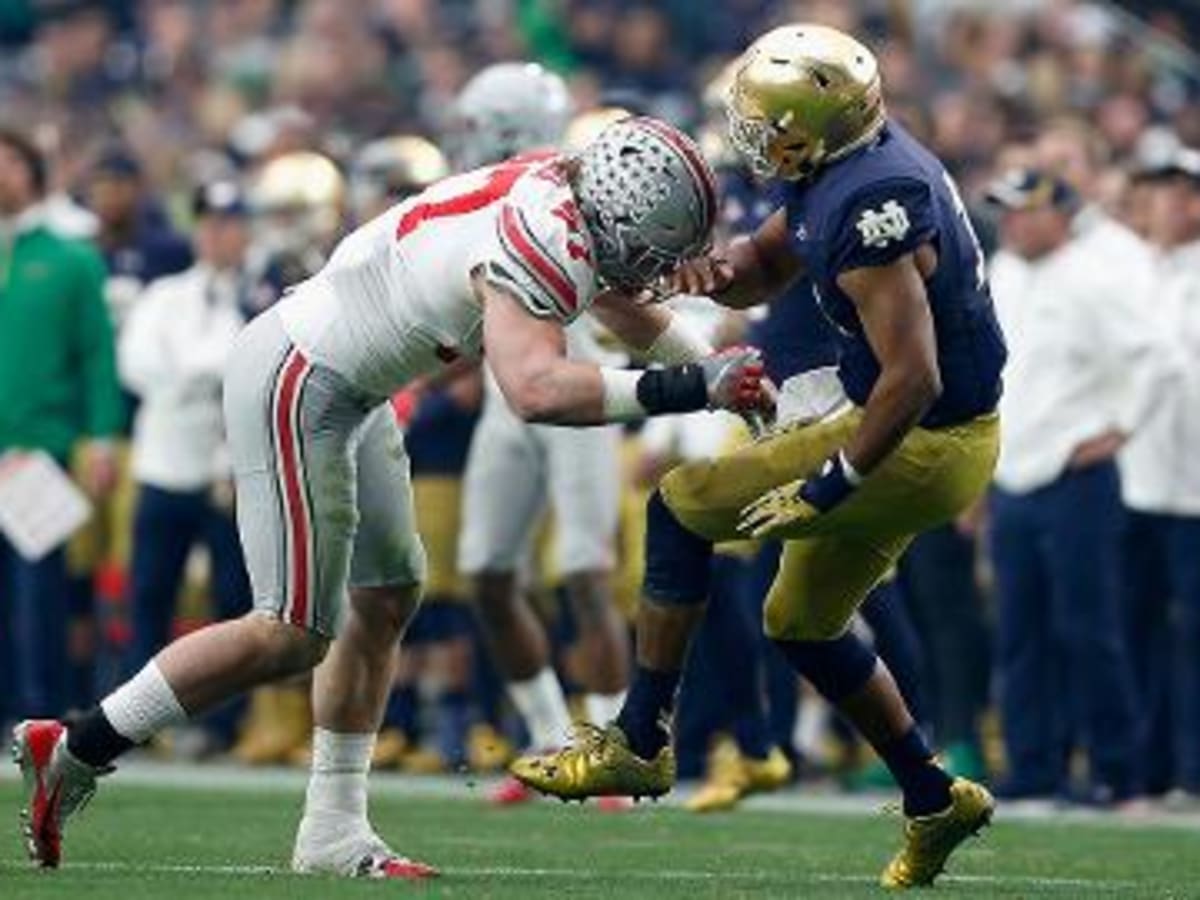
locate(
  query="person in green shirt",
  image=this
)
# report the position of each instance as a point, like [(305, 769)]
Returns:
[(58, 389)]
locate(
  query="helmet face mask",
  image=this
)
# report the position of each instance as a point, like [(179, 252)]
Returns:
[(648, 199), (803, 96)]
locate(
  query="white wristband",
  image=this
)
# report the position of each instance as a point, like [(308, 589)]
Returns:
[(621, 402), (678, 344)]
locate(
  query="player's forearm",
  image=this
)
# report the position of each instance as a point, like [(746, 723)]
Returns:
[(557, 392), (899, 401), (758, 277), (638, 327), (563, 392)]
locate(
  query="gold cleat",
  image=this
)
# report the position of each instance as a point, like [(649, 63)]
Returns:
[(732, 776), (597, 763), (929, 840), (770, 774)]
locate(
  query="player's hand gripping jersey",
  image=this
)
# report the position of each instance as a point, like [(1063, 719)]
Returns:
[(395, 300)]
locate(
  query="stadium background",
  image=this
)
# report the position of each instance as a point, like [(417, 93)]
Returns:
[(184, 93)]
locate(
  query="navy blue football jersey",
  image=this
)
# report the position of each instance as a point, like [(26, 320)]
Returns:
[(794, 335), (868, 210)]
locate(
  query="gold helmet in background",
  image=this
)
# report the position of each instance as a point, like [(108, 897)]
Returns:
[(803, 96), (586, 127), (298, 200), (387, 170)]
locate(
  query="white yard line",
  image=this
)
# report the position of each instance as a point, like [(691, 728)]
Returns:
[(583, 874)]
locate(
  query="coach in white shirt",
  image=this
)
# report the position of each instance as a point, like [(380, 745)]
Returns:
[(1084, 369), (172, 355), (1160, 470)]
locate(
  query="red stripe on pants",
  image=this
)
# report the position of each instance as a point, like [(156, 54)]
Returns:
[(288, 398)]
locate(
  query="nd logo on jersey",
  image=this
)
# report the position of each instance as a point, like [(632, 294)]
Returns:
[(880, 227)]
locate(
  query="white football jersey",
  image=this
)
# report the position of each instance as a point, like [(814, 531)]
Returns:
[(395, 299)]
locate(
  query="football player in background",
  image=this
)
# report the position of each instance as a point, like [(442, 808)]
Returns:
[(877, 223), (517, 468), (501, 259)]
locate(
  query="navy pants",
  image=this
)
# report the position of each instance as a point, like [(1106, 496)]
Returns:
[(937, 577), (1064, 670), (166, 525), (1162, 556), (33, 635)]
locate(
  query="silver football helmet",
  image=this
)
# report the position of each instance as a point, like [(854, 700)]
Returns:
[(648, 198), (506, 109)]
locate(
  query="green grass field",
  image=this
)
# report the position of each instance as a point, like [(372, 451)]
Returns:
[(138, 841)]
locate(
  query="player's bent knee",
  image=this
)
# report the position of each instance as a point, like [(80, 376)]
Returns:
[(787, 617), (386, 609), (678, 561), (283, 648), (837, 668)]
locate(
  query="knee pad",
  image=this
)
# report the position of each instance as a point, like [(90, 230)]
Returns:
[(837, 668), (678, 562)]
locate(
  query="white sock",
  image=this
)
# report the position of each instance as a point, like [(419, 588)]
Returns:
[(603, 708), (543, 708), (143, 706), (338, 783)]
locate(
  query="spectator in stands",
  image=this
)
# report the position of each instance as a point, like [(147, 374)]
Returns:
[(172, 356), (1161, 475), (135, 236), (1084, 369), (58, 381)]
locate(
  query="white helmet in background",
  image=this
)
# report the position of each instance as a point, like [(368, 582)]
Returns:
[(507, 109)]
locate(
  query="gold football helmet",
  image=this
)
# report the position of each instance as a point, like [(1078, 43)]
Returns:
[(803, 96), (586, 127), (299, 203), (390, 169)]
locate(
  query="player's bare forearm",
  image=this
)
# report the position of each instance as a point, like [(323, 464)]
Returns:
[(899, 401), (638, 327), (894, 311), (750, 270), (761, 265), (528, 357)]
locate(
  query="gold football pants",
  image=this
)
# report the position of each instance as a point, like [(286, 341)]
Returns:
[(823, 575)]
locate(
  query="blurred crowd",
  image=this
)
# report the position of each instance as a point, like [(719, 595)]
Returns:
[(188, 160)]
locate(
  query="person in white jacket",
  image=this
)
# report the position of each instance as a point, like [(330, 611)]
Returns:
[(1085, 367), (172, 355), (1160, 472)]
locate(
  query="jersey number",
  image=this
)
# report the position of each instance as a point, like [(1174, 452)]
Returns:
[(500, 180), (961, 209)]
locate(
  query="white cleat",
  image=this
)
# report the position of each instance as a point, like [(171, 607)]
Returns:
[(56, 786), (347, 846)]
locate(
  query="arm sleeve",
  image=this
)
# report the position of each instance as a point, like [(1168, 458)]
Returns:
[(541, 260), (880, 223), (97, 354)]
